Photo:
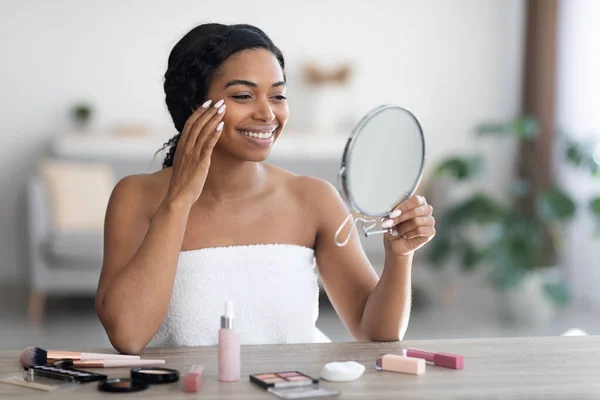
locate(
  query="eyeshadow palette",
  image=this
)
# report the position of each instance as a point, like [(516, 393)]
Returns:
[(283, 379), (291, 385), (66, 373)]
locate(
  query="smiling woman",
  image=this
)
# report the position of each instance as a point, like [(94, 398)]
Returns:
[(240, 65), (219, 224)]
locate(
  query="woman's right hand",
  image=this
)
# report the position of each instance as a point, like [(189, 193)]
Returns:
[(192, 157)]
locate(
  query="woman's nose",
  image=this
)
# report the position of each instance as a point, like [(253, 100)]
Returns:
[(264, 112)]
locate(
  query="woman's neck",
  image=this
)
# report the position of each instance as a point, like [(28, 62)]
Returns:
[(230, 180)]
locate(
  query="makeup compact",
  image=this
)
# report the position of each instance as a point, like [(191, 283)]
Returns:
[(291, 385), (155, 375), (122, 385)]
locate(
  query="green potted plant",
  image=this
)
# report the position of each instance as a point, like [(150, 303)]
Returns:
[(518, 240), (82, 114)]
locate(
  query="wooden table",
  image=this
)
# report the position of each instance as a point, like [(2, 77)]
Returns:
[(543, 367)]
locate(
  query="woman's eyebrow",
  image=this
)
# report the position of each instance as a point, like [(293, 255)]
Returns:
[(251, 84)]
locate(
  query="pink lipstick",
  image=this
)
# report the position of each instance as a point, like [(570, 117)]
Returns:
[(446, 360)]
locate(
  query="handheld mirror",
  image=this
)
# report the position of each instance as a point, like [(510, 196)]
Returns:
[(382, 166)]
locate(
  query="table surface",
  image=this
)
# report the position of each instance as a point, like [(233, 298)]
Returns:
[(531, 367)]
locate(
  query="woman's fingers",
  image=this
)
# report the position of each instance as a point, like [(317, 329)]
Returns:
[(197, 126), (209, 128), (191, 121), (214, 138), (413, 224), (421, 231), (419, 209)]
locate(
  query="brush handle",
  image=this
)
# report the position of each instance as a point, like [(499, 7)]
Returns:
[(114, 363), (75, 355), (101, 356), (132, 363)]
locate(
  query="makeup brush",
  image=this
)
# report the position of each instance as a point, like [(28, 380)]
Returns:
[(109, 363), (37, 356)]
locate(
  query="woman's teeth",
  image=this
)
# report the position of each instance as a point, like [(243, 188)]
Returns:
[(259, 135)]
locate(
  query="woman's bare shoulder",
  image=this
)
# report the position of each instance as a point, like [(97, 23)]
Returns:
[(144, 189), (308, 189)]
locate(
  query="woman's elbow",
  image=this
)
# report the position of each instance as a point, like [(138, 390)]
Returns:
[(122, 336), (125, 342), (380, 334)]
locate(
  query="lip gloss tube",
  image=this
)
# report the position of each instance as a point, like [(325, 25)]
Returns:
[(395, 363), (446, 360), (193, 380)]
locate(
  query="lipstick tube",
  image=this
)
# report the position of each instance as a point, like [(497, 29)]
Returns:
[(446, 360)]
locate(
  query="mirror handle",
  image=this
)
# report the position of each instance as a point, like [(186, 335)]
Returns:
[(339, 230), (365, 228), (370, 233)]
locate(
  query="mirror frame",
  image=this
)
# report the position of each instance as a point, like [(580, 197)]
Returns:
[(343, 173)]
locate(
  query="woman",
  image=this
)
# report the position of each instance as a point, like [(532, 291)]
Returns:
[(217, 224)]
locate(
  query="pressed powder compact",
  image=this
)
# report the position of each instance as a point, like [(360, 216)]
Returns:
[(141, 378), (122, 385), (155, 374)]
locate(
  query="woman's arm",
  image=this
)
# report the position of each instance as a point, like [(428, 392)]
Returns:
[(140, 250), (140, 260), (372, 308)]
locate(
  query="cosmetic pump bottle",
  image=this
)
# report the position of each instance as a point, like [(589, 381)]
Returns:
[(229, 347)]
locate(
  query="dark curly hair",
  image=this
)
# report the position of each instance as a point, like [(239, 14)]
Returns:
[(193, 62)]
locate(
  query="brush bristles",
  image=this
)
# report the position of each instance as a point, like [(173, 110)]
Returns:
[(33, 356)]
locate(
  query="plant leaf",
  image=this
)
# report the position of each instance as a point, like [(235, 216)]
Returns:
[(558, 292), (573, 154), (493, 128), (595, 206), (479, 208), (472, 257), (460, 168), (439, 250), (516, 251), (555, 205), (524, 127)]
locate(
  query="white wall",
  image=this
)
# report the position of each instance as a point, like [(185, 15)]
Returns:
[(453, 63), (577, 113)]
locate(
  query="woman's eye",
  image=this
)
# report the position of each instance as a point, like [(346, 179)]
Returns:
[(280, 97), (241, 97)]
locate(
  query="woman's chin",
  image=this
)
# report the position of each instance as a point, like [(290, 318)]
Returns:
[(258, 156)]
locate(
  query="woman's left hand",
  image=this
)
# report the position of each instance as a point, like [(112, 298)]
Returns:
[(412, 226)]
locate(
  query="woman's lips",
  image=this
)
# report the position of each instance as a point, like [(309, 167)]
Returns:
[(262, 137)]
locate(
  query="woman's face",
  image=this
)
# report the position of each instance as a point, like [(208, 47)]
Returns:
[(252, 85)]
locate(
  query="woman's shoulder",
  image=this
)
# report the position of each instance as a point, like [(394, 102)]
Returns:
[(146, 189), (308, 189)]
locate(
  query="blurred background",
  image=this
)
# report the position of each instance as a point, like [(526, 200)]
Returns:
[(507, 93)]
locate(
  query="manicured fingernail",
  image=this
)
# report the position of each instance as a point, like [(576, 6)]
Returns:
[(220, 126), (206, 103), (394, 233), (218, 103), (387, 223), (395, 214), (222, 109)]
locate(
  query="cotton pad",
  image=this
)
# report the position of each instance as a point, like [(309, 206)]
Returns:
[(342, 371)]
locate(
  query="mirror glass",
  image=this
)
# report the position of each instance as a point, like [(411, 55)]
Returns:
[(382, 163)]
